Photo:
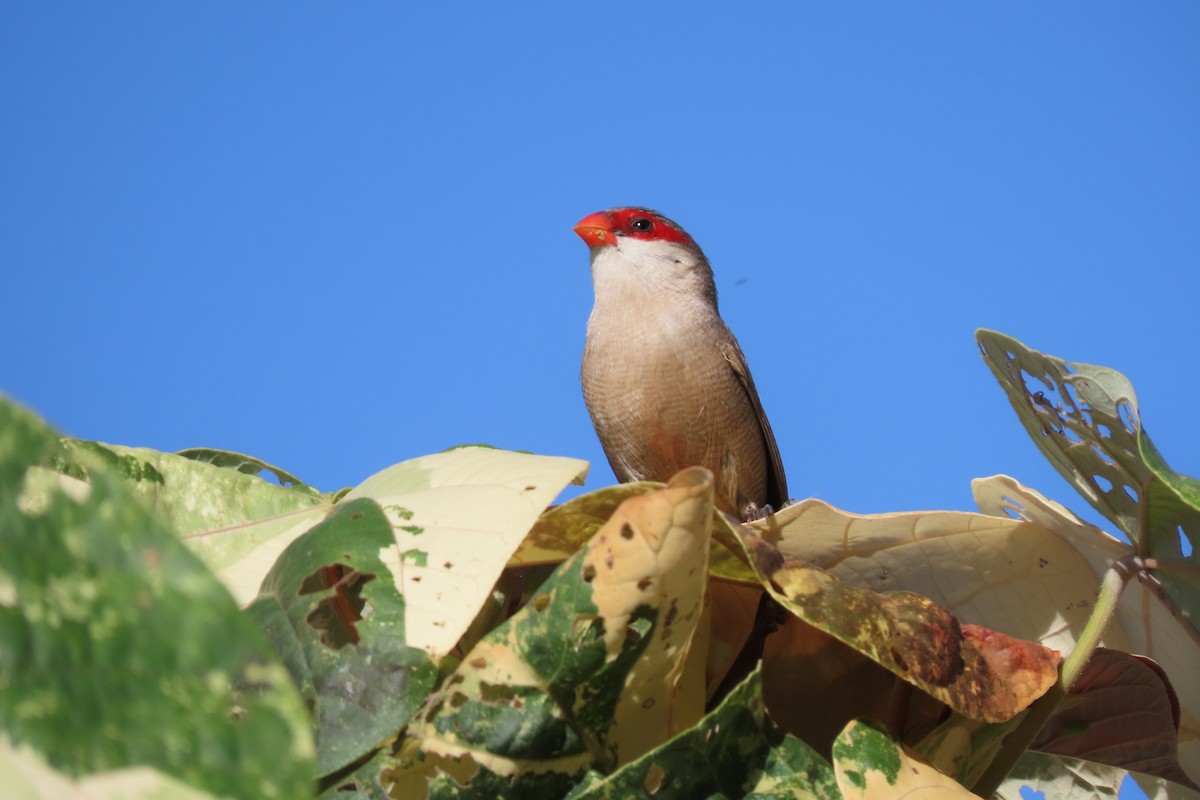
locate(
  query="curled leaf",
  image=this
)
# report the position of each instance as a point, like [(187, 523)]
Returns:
[(981, 673), (589, 672)]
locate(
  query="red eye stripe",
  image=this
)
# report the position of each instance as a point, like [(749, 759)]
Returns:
[(642, 223)]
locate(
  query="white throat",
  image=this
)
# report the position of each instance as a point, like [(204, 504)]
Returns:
[(638, 273)]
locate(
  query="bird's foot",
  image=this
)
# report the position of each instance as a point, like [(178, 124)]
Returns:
[(752, 512)]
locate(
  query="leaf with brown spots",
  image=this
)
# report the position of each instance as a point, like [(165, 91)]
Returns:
[(595, 670), (983, 674), (562, 530)]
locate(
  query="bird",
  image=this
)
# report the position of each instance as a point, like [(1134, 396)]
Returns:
[(664, 379)]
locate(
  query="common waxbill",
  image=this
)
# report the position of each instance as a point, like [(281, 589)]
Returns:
[(664, 379)]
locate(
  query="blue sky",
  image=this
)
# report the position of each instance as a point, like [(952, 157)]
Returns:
[(337, 236)]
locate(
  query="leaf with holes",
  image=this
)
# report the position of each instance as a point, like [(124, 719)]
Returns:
[(734, 751), (595, 671), (121, 648), (1083, 418), (1086, 420), (1148, 623), (331, 609), (869, 765), (1121, 711), (979, 672), (1172, 532), (456, 517), (1058, 778)]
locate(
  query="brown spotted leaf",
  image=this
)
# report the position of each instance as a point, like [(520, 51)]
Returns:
[(593, 671), (562, 530), (981, 673), (733, 588), (1014, 575)]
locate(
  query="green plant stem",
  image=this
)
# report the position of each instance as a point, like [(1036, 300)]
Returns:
[(1017, 742), (1157, 565)]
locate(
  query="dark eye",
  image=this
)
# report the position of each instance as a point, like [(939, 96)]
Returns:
[(642, 225)]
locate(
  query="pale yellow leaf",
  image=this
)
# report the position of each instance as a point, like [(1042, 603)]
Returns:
[(869, 766), (458, 517), (656, 547), (1004, 574), (25, 776), (242, 555), (1147, 625)]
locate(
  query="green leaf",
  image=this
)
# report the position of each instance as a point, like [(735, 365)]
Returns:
[(331, 609), (734, 751), (247, 465), (231, 519), (197, 499), (1082, 417), (868, 764), (365, 781), (1085, 419), (119, 648)]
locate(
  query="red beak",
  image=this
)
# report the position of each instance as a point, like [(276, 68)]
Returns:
[(597, 230)]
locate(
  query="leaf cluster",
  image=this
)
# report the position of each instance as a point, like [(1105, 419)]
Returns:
[(203, 624)]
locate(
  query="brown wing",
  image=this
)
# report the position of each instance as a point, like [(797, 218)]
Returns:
[(777, 493)]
